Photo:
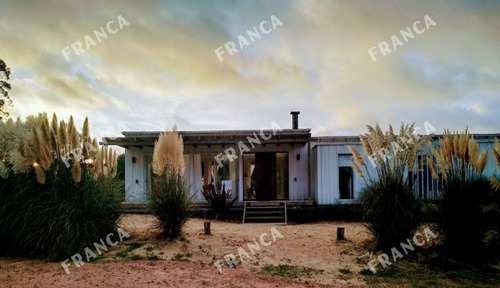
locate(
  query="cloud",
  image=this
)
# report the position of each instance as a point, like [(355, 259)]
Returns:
[(162, 68)]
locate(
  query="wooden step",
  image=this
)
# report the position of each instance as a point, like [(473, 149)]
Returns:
[(265, 212)]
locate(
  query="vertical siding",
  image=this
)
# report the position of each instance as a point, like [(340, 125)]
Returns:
[(299, 170), (491, 168), (326, 173), (314, 174), (134, 176)]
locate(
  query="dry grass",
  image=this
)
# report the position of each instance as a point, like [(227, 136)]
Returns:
[(391, 153), (496, 153), (168, 152), (58, 142), (458, 156)]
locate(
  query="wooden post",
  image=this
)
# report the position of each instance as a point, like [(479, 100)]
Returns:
[(206, 227), (340, 233)]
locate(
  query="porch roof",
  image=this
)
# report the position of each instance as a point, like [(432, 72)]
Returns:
[(213, 137)]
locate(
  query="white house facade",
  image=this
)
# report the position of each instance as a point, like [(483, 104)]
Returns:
[(266, 165)]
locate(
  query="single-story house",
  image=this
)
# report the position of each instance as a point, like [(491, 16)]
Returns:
[(265, 165)]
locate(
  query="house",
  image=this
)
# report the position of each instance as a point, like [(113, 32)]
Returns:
[(287, 165)]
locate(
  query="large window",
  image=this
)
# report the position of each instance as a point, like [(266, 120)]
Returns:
[(346, 178), (216, 175), (265, 176)]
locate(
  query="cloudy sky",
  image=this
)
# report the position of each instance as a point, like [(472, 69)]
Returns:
[(161, 68)]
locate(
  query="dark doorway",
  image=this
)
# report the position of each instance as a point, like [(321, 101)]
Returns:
[(265, 176), (346, 183)]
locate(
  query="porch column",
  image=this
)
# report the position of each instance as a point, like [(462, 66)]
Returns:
[(240, 178)]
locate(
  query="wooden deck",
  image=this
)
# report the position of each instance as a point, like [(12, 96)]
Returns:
[(135, 208)]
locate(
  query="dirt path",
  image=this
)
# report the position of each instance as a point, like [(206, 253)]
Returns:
[(307, 251)]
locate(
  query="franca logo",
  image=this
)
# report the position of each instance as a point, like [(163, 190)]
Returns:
[(405, 35), (100, 246), (252, 35), (111, 27)]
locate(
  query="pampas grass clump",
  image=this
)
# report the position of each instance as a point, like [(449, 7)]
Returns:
[(469, 206), (389, 204), (168, 153), (54, 200), (169, 197)]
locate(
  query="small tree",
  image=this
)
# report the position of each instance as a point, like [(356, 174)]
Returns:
[(388, 199), (169, 197), (4, 88)]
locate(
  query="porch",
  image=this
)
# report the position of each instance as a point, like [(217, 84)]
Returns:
[(257, 165)]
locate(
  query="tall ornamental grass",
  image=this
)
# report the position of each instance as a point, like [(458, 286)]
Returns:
[(56, 192), (169, 197), (468, 204), (389, 204)]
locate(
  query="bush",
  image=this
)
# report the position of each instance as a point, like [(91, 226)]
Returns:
[(391, 209), (462, 217), (51, 210), (220, 201), (469, 207), (169, 201), (388, 200)]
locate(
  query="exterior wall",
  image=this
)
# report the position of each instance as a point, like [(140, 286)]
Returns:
[(298, 180), (491, 168), (315, 178), (325, 173), (427, 187)]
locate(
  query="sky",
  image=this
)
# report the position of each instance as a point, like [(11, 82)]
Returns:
[(159, 67)]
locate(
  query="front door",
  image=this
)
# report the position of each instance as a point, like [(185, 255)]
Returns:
[(265, 176)]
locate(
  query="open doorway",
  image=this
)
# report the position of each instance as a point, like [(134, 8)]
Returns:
[(265, 176)]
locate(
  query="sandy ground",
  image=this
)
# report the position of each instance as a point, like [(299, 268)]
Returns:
[(144, 260)]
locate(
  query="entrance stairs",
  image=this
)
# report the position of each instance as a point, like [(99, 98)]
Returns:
[(265, 212)]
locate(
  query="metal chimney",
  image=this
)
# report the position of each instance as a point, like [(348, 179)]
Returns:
[(295, 119)]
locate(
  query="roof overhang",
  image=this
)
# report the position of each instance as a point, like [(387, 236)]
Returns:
[(221, 137)]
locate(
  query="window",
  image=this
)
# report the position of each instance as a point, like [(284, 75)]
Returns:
[(346, 183), (249, 176), (421, 180), (148, 159), (346, 178)]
